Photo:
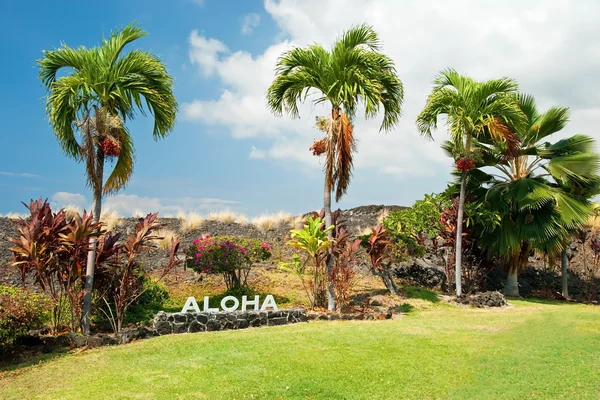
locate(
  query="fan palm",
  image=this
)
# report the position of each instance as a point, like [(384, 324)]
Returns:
[(101, 90), (472, 109), (543, 194), (354, 71)]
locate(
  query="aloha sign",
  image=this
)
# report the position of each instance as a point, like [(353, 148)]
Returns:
[(231, 303)]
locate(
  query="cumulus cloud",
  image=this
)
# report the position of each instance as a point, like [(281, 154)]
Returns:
[(205, 52), (249, 23), (549, 47), (126, 204)]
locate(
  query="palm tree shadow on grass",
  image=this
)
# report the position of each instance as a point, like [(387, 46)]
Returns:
[(413, 292)]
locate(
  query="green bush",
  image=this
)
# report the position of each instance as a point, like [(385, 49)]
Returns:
[(153, 299), (20, 311)]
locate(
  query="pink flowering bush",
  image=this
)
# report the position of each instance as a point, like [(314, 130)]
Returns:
[(232, 257)]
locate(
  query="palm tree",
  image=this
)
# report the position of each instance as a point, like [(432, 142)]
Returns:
[(472, 109), (353, 71), (543, 194), (101, 90)]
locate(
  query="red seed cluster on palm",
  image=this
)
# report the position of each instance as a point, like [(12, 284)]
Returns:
[(465, 164), (110, 147), (319, 147)]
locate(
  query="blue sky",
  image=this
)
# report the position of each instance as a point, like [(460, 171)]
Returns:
[(227, 151)]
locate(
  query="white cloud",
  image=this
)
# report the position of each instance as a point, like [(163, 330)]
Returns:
[(549, 47), (257, 154), (249, 23), (63, 199), (18, 174), (126, 204), (205, 52)]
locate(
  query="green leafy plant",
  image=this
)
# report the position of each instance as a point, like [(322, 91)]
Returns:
[(542, 194), (231, 257), (314, 240), (20, 311)]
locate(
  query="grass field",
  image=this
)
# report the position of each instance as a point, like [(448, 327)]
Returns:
[(531, 350)]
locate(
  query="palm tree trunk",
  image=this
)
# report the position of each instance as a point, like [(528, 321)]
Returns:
[(91, 259), (512, 284), (564, 273), (329, 260), (459, 231)]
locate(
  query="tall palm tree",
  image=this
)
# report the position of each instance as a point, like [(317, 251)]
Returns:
[(543, 194), (472, 109), (353, 71), (103, 88)]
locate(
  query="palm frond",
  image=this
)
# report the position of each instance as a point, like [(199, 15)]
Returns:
[(344, 161)]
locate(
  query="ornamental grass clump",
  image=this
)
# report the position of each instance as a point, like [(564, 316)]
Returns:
[(232, 257)]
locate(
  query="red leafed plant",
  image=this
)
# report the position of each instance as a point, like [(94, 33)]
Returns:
[(51, 252), (110, 146), (343, 272), (465, 164), (380, 249), (120, 276)]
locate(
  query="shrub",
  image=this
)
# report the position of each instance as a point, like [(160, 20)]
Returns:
[(153, 297), (119, 276), (313, 240), (230, 256), (20, 311)]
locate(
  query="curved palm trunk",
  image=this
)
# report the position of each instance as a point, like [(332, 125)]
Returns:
[(91, 259), (564, 273), (459, 231)]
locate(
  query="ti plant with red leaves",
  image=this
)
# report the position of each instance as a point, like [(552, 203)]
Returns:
[(120, 276), (380, 249), (343, 273), (50, 253)]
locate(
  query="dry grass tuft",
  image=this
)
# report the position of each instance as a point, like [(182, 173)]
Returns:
[(298, 222), (364, 231), (111, 219), (269, 222), (225, 216), (72, 211), (13, 215), (137, 213), (190, 221), (167, 236), (384, 213)]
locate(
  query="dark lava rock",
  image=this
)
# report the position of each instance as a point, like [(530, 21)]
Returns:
[(481, 300)]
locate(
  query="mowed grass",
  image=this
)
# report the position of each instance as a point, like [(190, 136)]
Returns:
[(528, 351)]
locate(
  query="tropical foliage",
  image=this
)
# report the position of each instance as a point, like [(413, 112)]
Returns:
[(474, 110), (51, 252), (232, 257), (354, 71), (20, 311), (313, 240), (542, 194), (102, 89)]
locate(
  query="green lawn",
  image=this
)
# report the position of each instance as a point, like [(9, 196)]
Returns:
[(532, 350)]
